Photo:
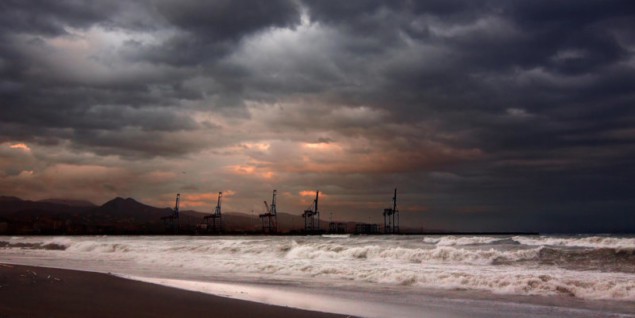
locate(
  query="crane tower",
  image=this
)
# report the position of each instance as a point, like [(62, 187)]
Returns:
[(172, 221), (312, 216), (391, 217), (214, 221), (269, 219)]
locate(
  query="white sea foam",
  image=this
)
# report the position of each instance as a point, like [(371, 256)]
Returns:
[(60, 241), (460, 240)]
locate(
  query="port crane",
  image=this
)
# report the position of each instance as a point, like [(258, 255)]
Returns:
[(312, 216), (391, 217), (269, 219), (214, 221), (172, 221)]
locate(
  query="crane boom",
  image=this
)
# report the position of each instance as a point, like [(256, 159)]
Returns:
[(394, 202), (391, 217), (272, 210), (269, 219), (312, 216), (176, 205), (218, 211)]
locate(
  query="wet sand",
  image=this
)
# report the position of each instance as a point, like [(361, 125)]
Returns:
[(27, 291)]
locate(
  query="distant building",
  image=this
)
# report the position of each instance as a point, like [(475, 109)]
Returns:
[(363, 228), (337, 228)]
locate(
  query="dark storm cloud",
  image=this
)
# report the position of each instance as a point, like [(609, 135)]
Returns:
[(491, 112), (539, 86), (210, 29), (228, 20), (482, 41), (51, 18), (564, 64), (119, 91)]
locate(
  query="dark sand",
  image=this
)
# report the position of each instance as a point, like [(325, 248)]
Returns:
[(44, 292)]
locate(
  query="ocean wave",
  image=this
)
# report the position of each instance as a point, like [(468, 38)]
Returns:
[(537, 283), (507, 280), (461, 240), (588, 241), (438, 254), (588, 259), (99, 247), (47, 245), (449, 250)]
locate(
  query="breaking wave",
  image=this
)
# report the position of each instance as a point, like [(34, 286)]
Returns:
[(462, 240), (439, 254), (446, 250), (603, 259), (589, 241), (55, 244)]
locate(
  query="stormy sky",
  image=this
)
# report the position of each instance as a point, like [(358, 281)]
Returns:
[(486, 115)]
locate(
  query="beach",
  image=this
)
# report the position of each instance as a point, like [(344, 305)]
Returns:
[(28, 291)]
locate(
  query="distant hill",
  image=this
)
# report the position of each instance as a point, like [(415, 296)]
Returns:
[(63, 216), (11, 205), (68, 202), (4, 198), (119, 209)]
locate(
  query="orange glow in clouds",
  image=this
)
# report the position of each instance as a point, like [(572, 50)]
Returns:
[(321, 146), (251, 171), (308, 193), (20, 146), (208, 200), (256, 146), (238, 169)]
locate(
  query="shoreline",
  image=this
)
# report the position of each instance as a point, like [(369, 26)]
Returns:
[(30, 291), (39, 291)]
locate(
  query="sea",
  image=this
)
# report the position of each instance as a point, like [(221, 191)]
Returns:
[(368, 276)]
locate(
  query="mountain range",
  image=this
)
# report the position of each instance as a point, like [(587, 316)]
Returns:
[(118, 216)]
